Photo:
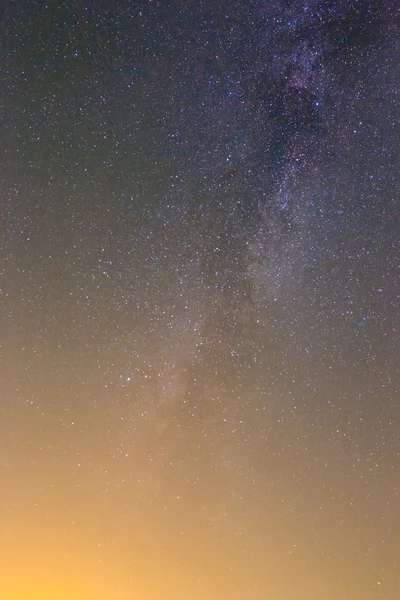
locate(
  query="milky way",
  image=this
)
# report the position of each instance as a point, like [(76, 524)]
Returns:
[(199, 242)]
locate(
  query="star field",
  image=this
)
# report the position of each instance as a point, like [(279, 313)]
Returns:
[(199, 390)]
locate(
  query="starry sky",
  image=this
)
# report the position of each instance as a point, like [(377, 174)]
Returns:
[(198, 300)]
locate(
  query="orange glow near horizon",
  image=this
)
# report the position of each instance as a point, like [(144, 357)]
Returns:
[(161, 556), (119, 522)]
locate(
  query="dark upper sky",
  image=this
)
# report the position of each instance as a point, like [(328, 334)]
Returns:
[(198, 296)]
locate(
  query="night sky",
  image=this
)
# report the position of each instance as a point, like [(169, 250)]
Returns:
[(198, 300)]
